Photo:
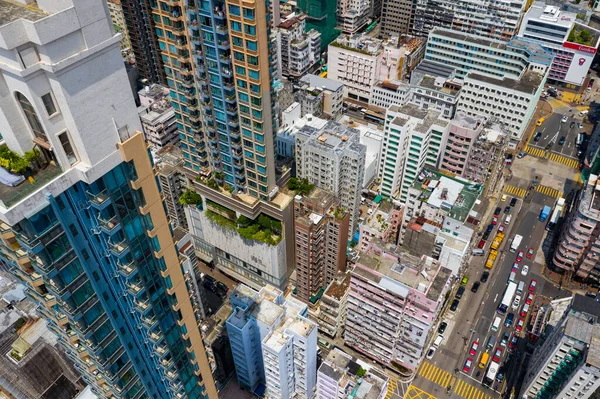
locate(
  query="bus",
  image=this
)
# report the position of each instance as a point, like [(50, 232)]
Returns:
[(509, 293), (490, 376), (556, 214), (374, 116), (514, 245)]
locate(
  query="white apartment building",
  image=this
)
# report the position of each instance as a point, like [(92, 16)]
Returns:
[(158, 117), (487, 19), (359, 62), (567, 364), (339, 376), (328, 95), (412, 139), (392, 306), (428, 92), (290, 355), (353, 14), (172, 183), (332, 308), (332, 158), (486, 56), (298, 50), (559, 33), (509, 102)]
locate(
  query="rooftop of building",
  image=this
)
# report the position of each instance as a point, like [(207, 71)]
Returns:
[(322, 83), (455, 195), (585, 304), (11, 11), (427, 118), (465, 37), (593, 355), (366, 381), (579, 327), (318, 198), (420, 273), (471, 122), (550, 14), (333, 137), (584, 35), (432, 68), (360, 43), (440, 84), (339, 286), (529, 82), (590, 200)]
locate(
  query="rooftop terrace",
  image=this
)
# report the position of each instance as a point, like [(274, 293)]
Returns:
[(11, 195), (528, 83)]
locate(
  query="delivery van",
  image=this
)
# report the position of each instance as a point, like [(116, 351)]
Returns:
[(484, 359), (497, 323)]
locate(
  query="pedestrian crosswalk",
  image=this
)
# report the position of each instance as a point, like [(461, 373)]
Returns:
[(391, 389), (445, 379), (541, 153), (516, 191), (538, 152), (570, 162), (551, 192)]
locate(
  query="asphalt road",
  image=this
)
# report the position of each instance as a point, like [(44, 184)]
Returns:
[(553, 129), (477, 311)]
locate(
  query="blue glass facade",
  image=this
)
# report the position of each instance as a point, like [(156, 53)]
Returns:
[(88, 259)]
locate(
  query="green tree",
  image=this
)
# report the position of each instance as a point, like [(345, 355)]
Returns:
[(190, 197)]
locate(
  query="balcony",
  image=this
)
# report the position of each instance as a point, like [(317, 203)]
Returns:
[(149, 322), (166, 363), (155, 337), (142, 306), (171, 376), (109, 226), (161, 350), (135, 289), (222, 29), (99, 200), (119, 249), (127, 270)]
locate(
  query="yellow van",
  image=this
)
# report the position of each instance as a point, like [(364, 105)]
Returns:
[(540, 121), (484, 359)]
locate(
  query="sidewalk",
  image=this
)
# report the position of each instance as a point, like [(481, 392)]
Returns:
[(558, 280)]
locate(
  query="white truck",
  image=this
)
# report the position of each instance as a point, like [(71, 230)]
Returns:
[(514, 245)]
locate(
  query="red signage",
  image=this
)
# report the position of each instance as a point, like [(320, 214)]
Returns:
[(580, 47)]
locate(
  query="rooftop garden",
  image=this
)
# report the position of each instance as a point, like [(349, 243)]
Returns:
[(300, 186), (345, 47), (582, 35), (215, 182), (264, 228), (16, 163), (190, 197)]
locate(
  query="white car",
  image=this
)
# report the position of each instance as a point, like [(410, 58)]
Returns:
[(525, 270), (430, 353), (564, 119), (516, 302)]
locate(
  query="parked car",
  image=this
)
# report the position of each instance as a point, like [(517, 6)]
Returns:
[(561, 141), (474, 348), (459, 292), (484, 277), (532, 285), (475, 286), (520, 255), (513, 342), (454, 305), (431, 352), (442, 327), (509, 320), (507, 209), (495, 220), (501, 228), (497, 211), (481, 244), (537, 137), (513, 202), (530, 253), (468, 364), (516, 302), (464, 281), (521, 154), (524, 270), (520, 324), (529, 299), (524, 310), (485, 235), (497, 354), (505, 339)]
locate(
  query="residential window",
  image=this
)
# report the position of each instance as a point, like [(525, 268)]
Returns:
[(31, 116), (251, 45), (49, 104), (235, 10), (68, 148), (254, 74), (248, 13), (250, 30)]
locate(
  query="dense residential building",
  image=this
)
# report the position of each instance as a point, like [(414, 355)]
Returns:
[(396, 17), (413, 138), (491, 19), (141, 29), (392, 306), (333, 159), (299, 50), (158, 117), (341, 376), (474, 149), (118, 20), (352, 15), (319, 95), (321, 16), (429, 92), (488, 57), (359, 61), (577, 250), (567, 364), (321, 235), (91, 240), (508, 102), (172, 183), (559, 33), (444, 209), (333, 306), (273, 343), (382, 222)]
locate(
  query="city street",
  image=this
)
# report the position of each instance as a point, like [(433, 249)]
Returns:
[(553, 130), (476, 313)]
